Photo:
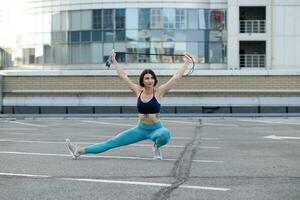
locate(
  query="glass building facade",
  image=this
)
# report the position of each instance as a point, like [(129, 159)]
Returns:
[(87, 36)]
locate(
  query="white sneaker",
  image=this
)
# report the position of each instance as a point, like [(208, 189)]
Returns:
[(73, 149), (156, 153)]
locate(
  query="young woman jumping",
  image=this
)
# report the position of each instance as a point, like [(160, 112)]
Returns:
[(149, 125)]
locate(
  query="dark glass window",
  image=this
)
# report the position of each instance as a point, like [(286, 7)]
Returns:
[(97, 19), (144, 18), (120, 35), (120, 19), (74, 36), (108, 36), (85, 36), (108, 19), (97, 36)]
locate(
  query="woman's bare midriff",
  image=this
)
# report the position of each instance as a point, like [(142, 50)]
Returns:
[(148, 118)]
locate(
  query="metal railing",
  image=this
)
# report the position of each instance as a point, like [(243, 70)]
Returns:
[(253, 60), (252, 26)]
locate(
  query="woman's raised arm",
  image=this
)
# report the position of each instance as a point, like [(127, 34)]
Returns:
[(164, 88), (122, 74)]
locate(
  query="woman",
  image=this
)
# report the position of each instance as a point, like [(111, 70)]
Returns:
[(149, 126)]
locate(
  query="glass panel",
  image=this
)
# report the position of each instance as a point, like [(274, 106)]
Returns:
[(55, 21), (64, 21), (215, 36), (167, 36), (108, 19), (131, 35), (47, 54), (85, 53), (203, 19), (120, 47), (217, 19), (192, 48), (181, 19), (144, 35), (107, 47), (143, 47), (216, 52), (97, 54), (195, 36), (39, 38), (97, 36), (85, 36), (169, 18), (75, 53), (156, 35), (132, 18), (120, 18), (97, 19), (120, 35), (156, 18), (131, 48), (156, 48), (144, 18), (46, 38), (74, 36), (60, 54), (179, 48), (108, 36), (192, 19), (75, 20), (180, 36), (168, 48), (203, 53), (39, 59), (86, 20)]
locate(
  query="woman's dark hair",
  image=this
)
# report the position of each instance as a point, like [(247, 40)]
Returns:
[(147, 71)]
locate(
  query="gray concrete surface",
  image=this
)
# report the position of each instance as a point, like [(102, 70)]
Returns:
[(219, 158)]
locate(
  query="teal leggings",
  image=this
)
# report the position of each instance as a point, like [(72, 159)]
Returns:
[(155, 132)]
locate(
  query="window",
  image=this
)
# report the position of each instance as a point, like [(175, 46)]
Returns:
[(132, 19), (120, 18), (97, 36), (120, 35), (156, 18), (108, 36), (144, 18), (97, 19), (108, 19), (169, 18), (192, 19), (180, 20), (85, 36), (74, 36)]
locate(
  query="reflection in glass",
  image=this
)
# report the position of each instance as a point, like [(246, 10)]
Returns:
[(120, 18), (144, 18), (108, 36), (132, 18), (192, 19), (97, 36), (97, 19), (169, 17), (108, 20), (85, 36), (131, 35), (181, 18)]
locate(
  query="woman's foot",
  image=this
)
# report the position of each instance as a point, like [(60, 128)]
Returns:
[(156, 153), (73, 149)]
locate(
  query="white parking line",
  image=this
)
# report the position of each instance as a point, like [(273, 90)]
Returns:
[(28, 124), (268, 122), (203, 123), (116, 182), (108, 123), (90, 143), (109, 157)]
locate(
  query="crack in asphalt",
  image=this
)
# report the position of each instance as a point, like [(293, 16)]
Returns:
[(182, 166)]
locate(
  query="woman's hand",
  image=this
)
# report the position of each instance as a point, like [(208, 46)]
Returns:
[(113, 56), (187, 57)]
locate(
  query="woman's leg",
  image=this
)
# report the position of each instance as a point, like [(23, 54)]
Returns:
[(127, 137), (160, 136)]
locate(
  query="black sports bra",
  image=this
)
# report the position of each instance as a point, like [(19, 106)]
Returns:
[(152, 106)]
